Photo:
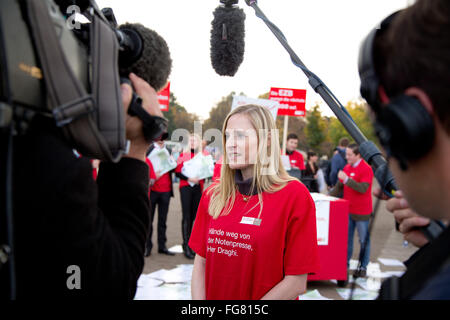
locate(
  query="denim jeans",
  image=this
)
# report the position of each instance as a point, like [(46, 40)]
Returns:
[(363, 231)]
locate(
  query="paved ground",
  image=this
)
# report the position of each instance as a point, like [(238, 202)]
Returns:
[(386, 243)]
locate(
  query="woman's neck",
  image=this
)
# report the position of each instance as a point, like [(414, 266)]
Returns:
[(247, 173)]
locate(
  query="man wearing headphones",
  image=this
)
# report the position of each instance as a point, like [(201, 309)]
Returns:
[(405, 73)]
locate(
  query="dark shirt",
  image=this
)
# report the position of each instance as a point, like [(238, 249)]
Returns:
[(63, 218)]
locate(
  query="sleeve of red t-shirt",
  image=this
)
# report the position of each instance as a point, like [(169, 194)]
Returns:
[(150, 166), (366, 174), (301, 254), (199, 233)]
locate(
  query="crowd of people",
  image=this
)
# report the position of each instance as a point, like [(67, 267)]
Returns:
[(257, 200)]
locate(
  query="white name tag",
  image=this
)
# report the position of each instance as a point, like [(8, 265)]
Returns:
[(250, 220)]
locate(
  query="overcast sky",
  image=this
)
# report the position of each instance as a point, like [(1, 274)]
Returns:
[(325, 34)]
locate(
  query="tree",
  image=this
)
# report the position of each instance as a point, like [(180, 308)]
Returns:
[(178, 116), (358, 111), (218, 113), (315, 128)]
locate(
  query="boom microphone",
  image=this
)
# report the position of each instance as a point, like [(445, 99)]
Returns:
[(227, 38), (145, 53)]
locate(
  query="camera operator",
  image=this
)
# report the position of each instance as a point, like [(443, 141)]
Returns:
[(75, 237), (411, 59)]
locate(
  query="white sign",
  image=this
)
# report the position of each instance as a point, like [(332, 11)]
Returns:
[(200, 167), (162, 161), (269, 104), (322, 203)]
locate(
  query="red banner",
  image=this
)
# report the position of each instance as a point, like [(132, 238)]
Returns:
[(292, 101), (164, 97)]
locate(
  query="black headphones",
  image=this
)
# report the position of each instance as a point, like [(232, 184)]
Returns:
[(403, 126)]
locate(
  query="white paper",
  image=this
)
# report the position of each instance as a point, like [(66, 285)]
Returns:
[(176, 249), (162, 161), (312, 295), (388, 274), (286, 162), (353, 264), (182, 273), (176, 291), (200, 167), (391, 262), (322, 222), (358, 294), (174, 284)]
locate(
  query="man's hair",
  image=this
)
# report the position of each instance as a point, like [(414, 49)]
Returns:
[(415, 51), (343, 142), (291, 136), (354, 147)]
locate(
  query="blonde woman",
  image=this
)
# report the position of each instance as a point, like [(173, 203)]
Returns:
[(255, 231)]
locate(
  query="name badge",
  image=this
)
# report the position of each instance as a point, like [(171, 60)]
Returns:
[(250, 220)]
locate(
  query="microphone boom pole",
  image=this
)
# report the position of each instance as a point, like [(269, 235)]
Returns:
[(369, 151)]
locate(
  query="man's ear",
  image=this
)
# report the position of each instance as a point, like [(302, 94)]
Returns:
[(422, 96)]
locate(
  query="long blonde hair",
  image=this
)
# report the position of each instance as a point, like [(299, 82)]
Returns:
[(269, 174)]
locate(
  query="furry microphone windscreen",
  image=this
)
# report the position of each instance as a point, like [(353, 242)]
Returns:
[(154, 63), (227, 40)]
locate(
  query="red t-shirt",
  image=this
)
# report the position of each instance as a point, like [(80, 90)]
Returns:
[(245, 261), (163, 184), (359, 203), (186, 156), (152, 174), (296, 160)]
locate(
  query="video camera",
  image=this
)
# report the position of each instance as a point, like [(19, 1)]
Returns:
[(53, 65)]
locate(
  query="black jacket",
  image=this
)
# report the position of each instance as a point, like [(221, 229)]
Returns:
[(63, 218)]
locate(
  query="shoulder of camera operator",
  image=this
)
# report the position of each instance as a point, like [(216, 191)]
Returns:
[(138, 143)]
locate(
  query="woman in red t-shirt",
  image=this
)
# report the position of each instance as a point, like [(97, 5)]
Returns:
[(255, 231), (190, 192)]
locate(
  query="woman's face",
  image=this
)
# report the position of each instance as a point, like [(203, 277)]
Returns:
[(241, 142), (194, 143)]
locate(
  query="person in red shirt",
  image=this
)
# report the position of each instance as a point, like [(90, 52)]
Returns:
[(356, 180), (160, 194), (190, 192), (255, 231), (295, 157)]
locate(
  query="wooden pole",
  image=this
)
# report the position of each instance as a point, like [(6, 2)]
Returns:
[(285, 130)]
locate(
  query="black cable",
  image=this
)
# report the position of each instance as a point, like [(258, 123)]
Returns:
[(8, 174), (9, 213)]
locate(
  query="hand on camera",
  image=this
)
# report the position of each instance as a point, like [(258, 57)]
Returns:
[(409, 221), (134, 132)]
